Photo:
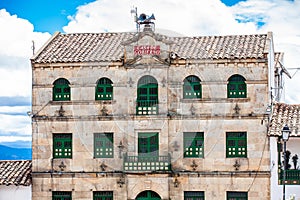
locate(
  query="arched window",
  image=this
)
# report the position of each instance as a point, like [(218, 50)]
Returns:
[(236, 87), (61, 90), (147, 96), (104, 89), (148, 194), (192, 88)]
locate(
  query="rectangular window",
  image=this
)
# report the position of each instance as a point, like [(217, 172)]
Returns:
[(61, 195), (193, 195), (62, 145), (237, 195), (103, 195), (236, 144), (148, 145), (103, 145), (193, 144)]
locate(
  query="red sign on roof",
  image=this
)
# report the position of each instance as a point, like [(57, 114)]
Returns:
[(146, 50)]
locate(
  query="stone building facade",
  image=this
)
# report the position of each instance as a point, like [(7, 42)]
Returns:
[(149, 116)]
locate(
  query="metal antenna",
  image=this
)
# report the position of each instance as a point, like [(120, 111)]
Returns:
[(133, 11), (33, 47)]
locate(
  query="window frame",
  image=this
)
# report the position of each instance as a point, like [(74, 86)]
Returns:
[(64, 94), (236, 87), (105, 84), (233, 195), (64, 138), (192, 93), (191, 150), (103, 195), (239, 150), (148, 142), (147, 96), (61, 195), (108, 149), (194, 195)]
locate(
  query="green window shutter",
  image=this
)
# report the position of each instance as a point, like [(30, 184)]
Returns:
[(147, 96), (61, 90), (104, 89), (192, 88), (194, 195), (103, 195), (236, 144), (236, 87), (193, 144), (237, 195), (61, 195), (62, 145), (103, 145), (148, 195), (148, 144)]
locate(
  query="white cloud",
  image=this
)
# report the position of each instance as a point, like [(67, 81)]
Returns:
[(16, 38)]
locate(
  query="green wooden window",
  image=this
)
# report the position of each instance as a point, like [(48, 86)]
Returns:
[(103, 145), (236, 144), (147, 96), (61, 195), (148, 144), (236, 87), (61, 90), (148, 195), (192, 88), (103, 195), (104, 89), (62, 145), (237, 195), (194, 195), (193, 144)]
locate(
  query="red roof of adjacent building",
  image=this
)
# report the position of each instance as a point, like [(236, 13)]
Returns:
[(15, 172), (285, 114)]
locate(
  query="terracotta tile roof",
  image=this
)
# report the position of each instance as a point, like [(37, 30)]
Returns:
[(285, 114), (15, 172), (95, 47)]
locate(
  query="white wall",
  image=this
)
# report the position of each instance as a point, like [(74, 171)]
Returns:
[(13, 192), (276, 190)]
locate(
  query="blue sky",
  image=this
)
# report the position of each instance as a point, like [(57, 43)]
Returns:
[(46, 15), (24, 21)]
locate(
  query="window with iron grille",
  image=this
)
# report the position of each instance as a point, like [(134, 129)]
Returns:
[(103, 145), (236, 87), (192, 88), (103, 195), (62, 145), (104, 89), (61, 90), (236, 144), (237, 195), (194, 195), (193, 144), (61, 195), (147, 96)]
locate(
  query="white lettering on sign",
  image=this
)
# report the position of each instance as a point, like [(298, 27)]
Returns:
[(146, 50)]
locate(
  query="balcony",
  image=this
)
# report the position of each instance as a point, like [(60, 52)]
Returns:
[(147, 107), (292, 177), (140, 163)]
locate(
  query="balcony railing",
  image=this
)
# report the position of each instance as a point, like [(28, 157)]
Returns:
[(147, 107), (292, 177), (141, 163)]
